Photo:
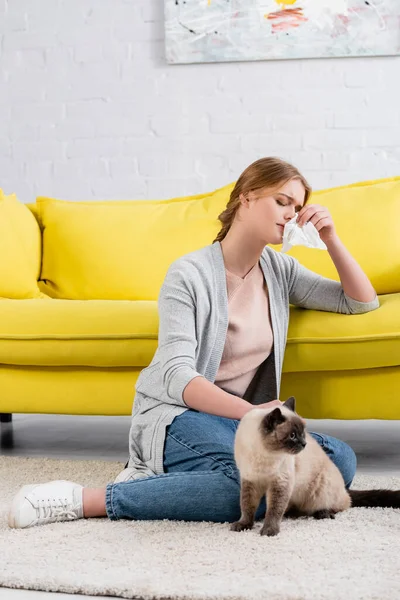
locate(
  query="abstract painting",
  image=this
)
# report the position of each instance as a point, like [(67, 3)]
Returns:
[(232, 30)]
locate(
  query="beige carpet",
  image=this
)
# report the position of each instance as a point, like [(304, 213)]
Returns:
[(356, 556)]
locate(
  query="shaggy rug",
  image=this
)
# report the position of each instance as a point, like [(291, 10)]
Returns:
[(354, 557)]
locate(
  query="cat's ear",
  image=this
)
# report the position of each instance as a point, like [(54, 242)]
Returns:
[(290, 403), (272, 419)]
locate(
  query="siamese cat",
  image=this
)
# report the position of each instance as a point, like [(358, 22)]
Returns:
[(277, 458)]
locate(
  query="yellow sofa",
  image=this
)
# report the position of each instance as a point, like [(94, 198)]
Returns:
[(78, 313)]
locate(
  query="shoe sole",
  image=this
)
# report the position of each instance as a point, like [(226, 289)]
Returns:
[(20, 496)]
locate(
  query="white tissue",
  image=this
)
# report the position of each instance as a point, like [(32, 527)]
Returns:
[(293, 235)]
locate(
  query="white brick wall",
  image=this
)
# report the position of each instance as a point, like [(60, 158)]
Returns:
[(89, 108)]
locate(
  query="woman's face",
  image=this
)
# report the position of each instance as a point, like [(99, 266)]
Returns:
[(265, 212)]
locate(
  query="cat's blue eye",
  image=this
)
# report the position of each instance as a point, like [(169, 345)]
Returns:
[(293, 436)]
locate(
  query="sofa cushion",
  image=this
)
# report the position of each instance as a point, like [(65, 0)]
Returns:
[(121, 250), (367, 217), (320, 341), (108, 333), (96, 333), (20, 250)]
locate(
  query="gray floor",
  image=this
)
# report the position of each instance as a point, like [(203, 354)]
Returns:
[(376, 443)]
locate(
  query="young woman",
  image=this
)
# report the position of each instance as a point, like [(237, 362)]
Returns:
[(224, 314)]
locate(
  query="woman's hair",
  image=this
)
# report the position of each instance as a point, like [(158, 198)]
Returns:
[(267, 172)]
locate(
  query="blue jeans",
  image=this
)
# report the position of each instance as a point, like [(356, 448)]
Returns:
[(201, 481)]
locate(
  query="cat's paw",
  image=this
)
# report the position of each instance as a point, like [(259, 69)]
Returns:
[(239, 526), (324, 514), (270, 530)]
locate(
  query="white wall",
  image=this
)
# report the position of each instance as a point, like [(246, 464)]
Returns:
[(89, 108)]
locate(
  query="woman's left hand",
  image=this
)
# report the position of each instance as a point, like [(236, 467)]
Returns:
[(321, 218)]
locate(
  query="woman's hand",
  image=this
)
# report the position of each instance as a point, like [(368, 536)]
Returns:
[(275, 404), (271, 404), (321, 218), (355, 282)]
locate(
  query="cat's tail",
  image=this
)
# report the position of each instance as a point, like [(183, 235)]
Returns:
[(375, 498)]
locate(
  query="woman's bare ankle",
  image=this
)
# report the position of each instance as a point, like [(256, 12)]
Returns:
[(94, 502)]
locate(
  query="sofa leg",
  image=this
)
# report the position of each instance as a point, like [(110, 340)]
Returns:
[(5, 417)]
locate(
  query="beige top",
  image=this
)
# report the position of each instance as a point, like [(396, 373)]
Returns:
[(249, 338)]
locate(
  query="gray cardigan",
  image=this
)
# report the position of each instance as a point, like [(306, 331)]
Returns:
[(193, 321)]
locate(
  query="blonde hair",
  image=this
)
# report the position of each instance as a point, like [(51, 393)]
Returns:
[(267, 172)]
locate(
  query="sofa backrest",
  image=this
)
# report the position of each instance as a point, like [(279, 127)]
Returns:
[(122, 249)]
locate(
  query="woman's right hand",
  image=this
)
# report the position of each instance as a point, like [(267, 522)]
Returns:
[(271, 404), (274, 404)]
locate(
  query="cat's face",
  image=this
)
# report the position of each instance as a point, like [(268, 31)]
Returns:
[(283, 431)]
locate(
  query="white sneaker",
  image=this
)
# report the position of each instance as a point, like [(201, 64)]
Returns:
[(46, 503), (129, 474)]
